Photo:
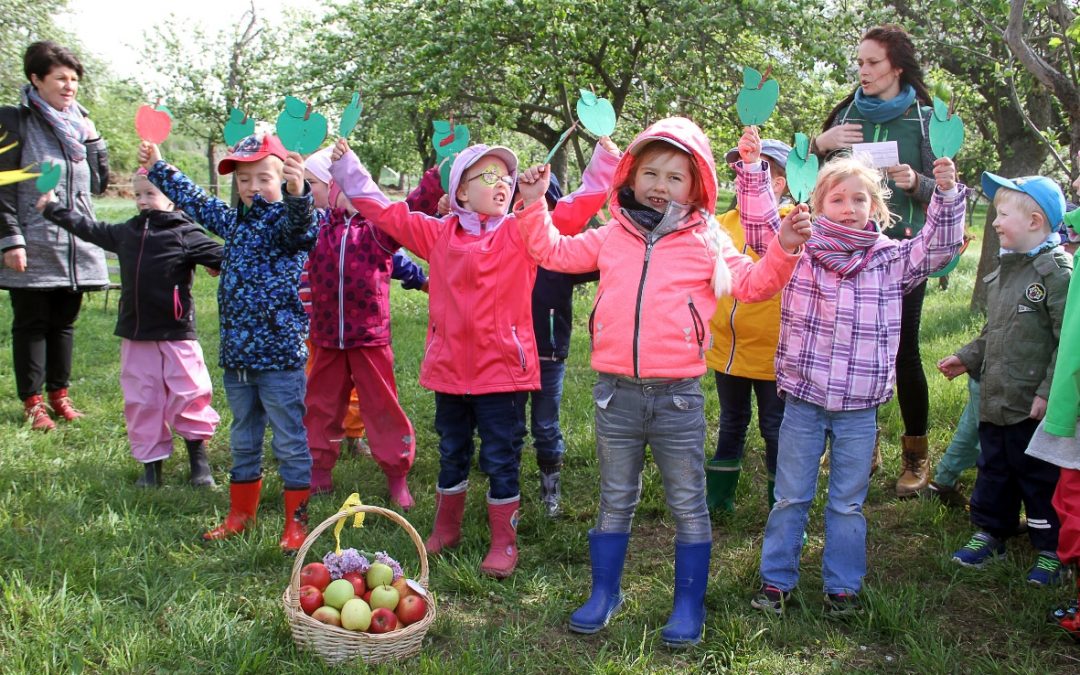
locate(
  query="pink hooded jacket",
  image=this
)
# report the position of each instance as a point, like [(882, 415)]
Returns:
[(652, 309)]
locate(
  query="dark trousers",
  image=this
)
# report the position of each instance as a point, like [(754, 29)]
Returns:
[(734, 395), (499, 420), (912, 392), (1008, 477), (546, 432), (42, 335)]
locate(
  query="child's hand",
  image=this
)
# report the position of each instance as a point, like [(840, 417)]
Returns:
[(533, 183), (750, 146), (951, 366), (149, 154), (795, 228), (44, 199), (1038, 408), (945, 173), (444, 205), (341, 148), (607, 144), (294, 174)]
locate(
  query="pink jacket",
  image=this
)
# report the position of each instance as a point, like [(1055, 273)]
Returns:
[(480, 335), (653, 305)]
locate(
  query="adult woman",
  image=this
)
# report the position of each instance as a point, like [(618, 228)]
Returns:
[(892, 104), (46, 270)]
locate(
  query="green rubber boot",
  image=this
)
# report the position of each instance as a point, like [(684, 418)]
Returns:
[(721, 479)]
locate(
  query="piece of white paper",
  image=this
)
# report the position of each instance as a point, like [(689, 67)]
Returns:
[(882, 155)]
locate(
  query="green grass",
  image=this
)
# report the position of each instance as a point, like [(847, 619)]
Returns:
[(101, 577)]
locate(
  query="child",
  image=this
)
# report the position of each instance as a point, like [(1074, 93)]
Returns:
[(663, 261), (349, 270), (480, 358), (744, 340), (262, 322), (835, 364), (1014, 357), (162, 373)]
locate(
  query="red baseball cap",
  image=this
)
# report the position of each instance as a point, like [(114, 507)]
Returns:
[(252, 149)]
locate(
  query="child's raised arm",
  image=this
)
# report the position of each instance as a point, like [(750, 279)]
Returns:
[(943, 234), (549, 248), (97, 233), (574, 211), (302, 224), (210, 212)]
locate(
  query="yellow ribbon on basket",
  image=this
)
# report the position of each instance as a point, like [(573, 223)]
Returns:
[(358, 521)]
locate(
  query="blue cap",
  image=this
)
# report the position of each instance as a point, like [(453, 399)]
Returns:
[(1046, 193), (770, 149)]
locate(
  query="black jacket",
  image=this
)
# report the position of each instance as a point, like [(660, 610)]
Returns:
[(553, 311), (158, 252)]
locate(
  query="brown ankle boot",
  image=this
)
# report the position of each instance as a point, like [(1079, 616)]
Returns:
[(61, 405), (36, 414), (916, 461)]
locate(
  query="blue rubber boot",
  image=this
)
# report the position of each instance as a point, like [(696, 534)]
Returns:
[(687, 620), (607, 551)]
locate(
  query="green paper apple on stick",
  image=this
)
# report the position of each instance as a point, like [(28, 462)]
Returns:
[(448, 140), (153, 123), (300, 129), (239, 127), (596, 113), (49, 178), (802, 169), (946, 130), (350, 116), (757, 97)]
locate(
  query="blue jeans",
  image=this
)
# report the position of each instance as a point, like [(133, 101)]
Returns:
[(546, 432), (734, 394), (670, 419), (802, 442), (963, 450), (499, 420), (274, 396)]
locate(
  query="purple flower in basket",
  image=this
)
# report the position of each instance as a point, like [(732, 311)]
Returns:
[(349, 561), (383, 558)]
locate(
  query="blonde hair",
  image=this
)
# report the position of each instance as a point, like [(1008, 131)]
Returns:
[(846, 166), (1021, 201)]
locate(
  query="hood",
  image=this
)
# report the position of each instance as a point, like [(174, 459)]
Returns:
[(470, 220), (685, 135)]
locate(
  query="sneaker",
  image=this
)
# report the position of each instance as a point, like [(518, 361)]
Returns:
[(981, 549), (842, 604), (1062, 612), (1047, 570), (771, 599), (949, 495)]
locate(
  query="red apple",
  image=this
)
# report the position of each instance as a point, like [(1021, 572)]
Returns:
[(153, 123), (315, 574), (382, 621), (411, 609), (310, 599), (329, 615), (402, 586), (367, 596), (357, 580)]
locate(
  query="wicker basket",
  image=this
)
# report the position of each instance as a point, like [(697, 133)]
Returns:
[(336, 645)]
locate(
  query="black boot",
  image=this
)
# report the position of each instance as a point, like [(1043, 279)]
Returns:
[(200, 465), (151, 477), (550, 491)]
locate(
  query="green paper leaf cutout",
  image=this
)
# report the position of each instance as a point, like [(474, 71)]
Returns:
[(350, 116), (239, 127), (941, 109), (445, 164), (802, 145), (447, 141), (1072, 219), (802, 171), (756, 100), (298, 134), (596, 114), (49, 178), (946, 135)]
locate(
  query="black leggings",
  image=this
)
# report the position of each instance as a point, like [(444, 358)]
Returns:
[(42, 335), (912, 392)]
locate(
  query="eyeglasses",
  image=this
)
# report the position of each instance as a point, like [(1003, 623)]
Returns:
[(492, 178)]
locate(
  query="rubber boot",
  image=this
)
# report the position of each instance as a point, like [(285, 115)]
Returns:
[(550, 490), (61, 405), (37, 415), (449, 510), (607, 551), (501, 558), (687, 620), (916, 460), (875, 461), (201, 475), (296, 520), (721, 480), (243, 503), (151, 477), (399, 491)]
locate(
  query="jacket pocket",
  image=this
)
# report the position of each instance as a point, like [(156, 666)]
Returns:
[(698, 325), (592, 321), (520, 349)]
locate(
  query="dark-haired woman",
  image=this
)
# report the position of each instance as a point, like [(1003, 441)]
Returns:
[(892, 104), (46, 270)]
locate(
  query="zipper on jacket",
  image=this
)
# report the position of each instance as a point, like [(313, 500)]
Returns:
[(138, 268), (699, 326), (551, 329), (341, 285), (637, 308), (521, 350), (731, 322), (178, 307), (592, 320)]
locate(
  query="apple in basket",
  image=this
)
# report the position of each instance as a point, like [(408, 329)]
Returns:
[(379, 574), (315, 574), (382, 621), (384, 596), (338, 593), (358, 584), (402, 586), (310, 599), (327, 615), (356, 615), (411, 609)]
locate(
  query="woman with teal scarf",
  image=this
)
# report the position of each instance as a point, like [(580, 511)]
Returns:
[(892, 104)]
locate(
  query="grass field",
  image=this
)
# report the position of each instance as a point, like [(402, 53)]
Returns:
[(98, 576)]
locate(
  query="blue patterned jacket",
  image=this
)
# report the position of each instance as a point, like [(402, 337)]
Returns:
[(262, 322)]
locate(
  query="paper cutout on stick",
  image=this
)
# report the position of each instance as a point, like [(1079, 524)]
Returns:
[(596, 114), (944, 271), (448, 140), (153, 123), (239, 127), (351, 115), (946, 130), (558, 144), (49, 178), (299, 128), (757, 97), (802, 169)]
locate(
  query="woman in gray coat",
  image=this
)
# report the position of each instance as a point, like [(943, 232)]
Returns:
[(46, 270)]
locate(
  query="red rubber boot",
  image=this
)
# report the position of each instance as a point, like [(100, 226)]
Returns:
[(243, 503), (296, 520)]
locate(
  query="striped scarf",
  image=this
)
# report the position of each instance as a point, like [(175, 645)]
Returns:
[(841, 249), (69, 124)]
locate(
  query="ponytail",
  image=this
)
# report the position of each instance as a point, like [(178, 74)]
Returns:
[(718, 241)]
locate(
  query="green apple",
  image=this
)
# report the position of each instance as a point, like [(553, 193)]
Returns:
[(300, 129), (356, 615), (757, 98), (385, 596), (49, 178), (239, 127), (946, 131), (448, 139), (802, 169), (379, 574), (596, 113), (338, 593)]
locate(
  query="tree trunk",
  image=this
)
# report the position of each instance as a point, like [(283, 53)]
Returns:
[(212, 166)]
